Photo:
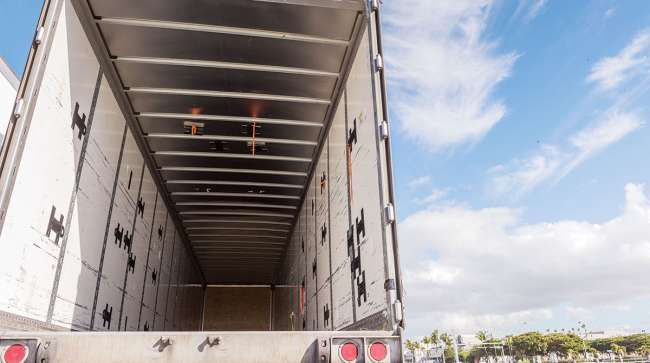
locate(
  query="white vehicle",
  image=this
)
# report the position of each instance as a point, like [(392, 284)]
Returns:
[(200, 181)]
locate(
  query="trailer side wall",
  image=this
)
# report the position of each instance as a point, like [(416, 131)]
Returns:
[(339, 256), (86, 241)]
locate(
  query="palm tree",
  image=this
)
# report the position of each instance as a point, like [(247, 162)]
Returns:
[(410, 345), (446, 338), (482, 335), (426, 341), (435, 337)]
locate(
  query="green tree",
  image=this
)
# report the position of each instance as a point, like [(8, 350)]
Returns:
[(529, 344), (644, 350), (464, 356), (447, 339), (618, 350), (410, 345), (450, 355), (566, 345), (426, 341), (435, 337), (482, 335), (631, 343)]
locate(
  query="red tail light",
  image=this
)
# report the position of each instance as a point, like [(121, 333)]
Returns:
[(349, 352), (378, 351), (15, 353)]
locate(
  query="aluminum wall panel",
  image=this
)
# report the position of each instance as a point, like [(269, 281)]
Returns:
[(303, 263), (310, 251), (366, 210), (322, 220), (45, 179), (311, 314), (343, 313), (324, 308), (161, 301), (152, 279), (173, 286), (120, 237), (146, 319), (78, 280)]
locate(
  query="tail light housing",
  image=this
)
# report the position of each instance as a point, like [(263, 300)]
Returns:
[(378, 352), (349, 352), (23, 350), (360, 349), (15, 353)]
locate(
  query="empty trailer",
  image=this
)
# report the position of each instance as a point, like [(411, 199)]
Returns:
[(195, 180)]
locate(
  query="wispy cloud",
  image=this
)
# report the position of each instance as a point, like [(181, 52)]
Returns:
[(610, 72), (551, 163), (434, 196), (592, 140), (610, 12), (444, 71), (419, 182), (529, 9)]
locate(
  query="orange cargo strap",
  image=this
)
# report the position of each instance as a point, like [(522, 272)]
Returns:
[(254, 129), (302, 304)]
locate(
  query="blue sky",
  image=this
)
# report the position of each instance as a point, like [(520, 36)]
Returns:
[(520, 138), (520, 132), (547, 98), (17, 26)]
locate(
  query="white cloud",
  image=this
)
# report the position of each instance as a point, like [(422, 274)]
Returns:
[(535, 8), (610, 12), (434, 196), (443, 71), (467, 268), (419, 182), (529, 9), (553, 162), (590, 141), (610, 72)]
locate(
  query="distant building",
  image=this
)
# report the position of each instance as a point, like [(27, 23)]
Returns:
[(8, 88), (469, 340), (609, 333)]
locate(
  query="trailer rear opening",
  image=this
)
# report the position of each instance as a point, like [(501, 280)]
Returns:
[(202, 166)]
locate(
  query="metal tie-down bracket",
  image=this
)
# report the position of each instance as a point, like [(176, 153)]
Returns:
[(79, 121), (210, 342), (55, 226), (162, 343)]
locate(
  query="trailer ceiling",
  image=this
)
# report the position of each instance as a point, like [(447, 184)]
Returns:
[(232, 99)]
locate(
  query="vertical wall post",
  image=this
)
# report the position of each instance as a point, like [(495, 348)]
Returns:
[(205, 296)]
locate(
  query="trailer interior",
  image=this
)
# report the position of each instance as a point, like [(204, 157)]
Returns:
[(262, 127), (232, 102)]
